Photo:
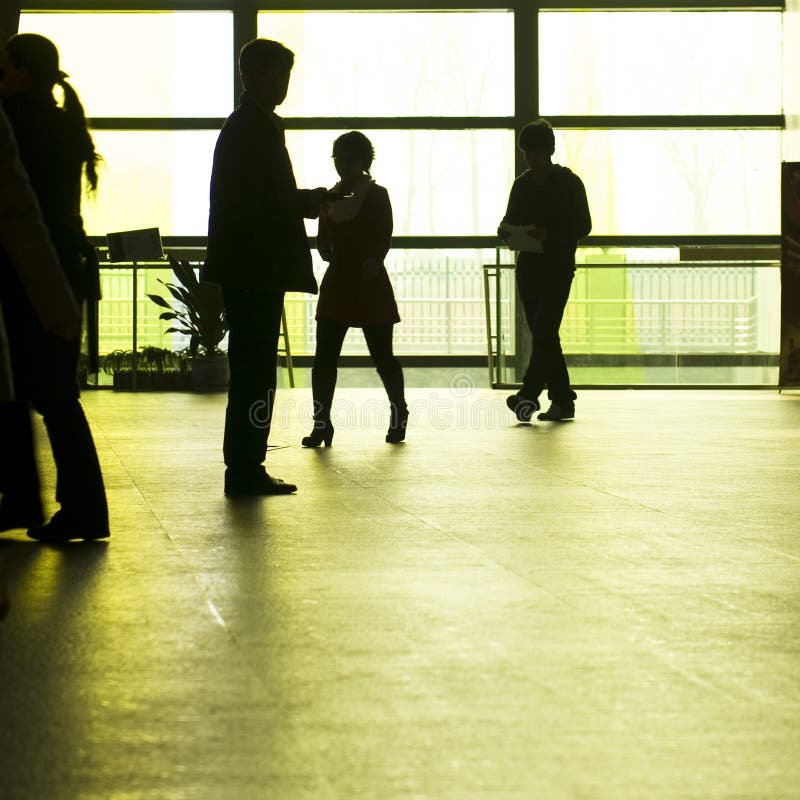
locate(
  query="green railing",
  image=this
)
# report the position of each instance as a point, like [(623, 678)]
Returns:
[(634, 312)]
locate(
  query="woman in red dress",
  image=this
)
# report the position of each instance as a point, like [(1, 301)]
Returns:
[(355, 232)]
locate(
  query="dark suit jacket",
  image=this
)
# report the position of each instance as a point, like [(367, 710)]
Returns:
[(256, 236)]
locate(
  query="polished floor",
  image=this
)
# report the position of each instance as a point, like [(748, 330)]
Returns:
[(607, 609)]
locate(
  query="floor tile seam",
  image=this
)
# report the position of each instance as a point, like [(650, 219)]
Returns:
[(601, 586), (207, 596), (655, 649), (739, 696), (209, 605), (439, 529), (749, 696), (688, 674), (584, 485), (643, 612), (775, 551), (698, 680), (569, 481), (741, 539), (239, 648), (109, 447), (743, 611), (694, 547), (524, 579), (132, 480)]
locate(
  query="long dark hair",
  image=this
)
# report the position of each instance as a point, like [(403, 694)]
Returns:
[(39, 56)]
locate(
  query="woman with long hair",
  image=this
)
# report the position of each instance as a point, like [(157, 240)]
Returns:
[(58, 154), (355, 233)]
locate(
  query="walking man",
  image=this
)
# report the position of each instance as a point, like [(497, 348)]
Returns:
[(549, 201)]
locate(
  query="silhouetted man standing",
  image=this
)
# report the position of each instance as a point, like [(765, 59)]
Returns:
[(550, 202), (257, 251)]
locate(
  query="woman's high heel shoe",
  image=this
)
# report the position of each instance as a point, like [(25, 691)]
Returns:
[(323, 432), (397, 425)]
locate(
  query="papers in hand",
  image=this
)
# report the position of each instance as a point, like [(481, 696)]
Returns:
[(518, 238)]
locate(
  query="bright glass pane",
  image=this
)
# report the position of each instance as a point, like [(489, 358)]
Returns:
[(660, 62), (720, 308), (791, 83), (397, 64), (152, 179), (650, 322), (116, 310), (699, 182), (439, 182), (174, 64), (439, 295)]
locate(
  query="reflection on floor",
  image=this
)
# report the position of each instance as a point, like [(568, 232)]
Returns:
[(434, 377), (602, 609), (728, 376), (683, 376)]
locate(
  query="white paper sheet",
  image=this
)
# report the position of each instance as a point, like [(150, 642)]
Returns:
[(519, 239)]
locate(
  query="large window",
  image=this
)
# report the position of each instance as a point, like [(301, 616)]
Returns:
[(440, 182), (170, 64), (152, 179), (659, 62), (134, 69), (669, 182), (438, 105), (673, 118), (397, 64)]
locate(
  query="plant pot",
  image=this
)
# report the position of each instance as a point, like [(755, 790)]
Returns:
[(210, 373), (122, 380), (170, 381)]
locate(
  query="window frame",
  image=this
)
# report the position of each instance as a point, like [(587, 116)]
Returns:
[(526, 91)]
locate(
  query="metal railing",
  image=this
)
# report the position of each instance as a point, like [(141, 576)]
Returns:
[(676, 309), (725, 307)]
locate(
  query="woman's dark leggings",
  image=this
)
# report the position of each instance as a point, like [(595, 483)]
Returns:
[(330, 337)]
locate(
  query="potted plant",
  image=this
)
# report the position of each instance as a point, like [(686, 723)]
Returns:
[(200, 315), (119, 364), (156, 368), (160, 368)]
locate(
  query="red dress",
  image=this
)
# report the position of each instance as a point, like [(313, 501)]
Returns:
[(346, 294)]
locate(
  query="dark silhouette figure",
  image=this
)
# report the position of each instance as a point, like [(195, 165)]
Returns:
[(26, 244), (257, 250), (550, 201), (56, 150), (355, 233)]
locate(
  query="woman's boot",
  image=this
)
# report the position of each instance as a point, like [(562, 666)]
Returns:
[(323, 432), (323, 385), (395, 389)]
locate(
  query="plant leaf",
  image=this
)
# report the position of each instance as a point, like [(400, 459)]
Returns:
[(159, 301), (175, 292), (185, 274), (179, 330)]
